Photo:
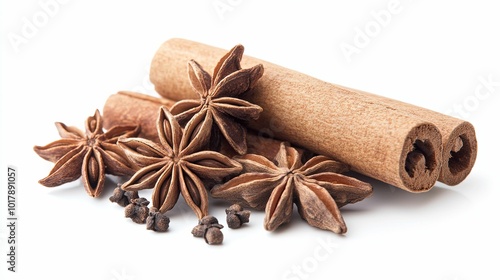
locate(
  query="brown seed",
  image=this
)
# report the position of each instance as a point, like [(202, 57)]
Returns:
[(157, 221), (236, 216), (213, 236), (208, 220), (235, 208), (123, 198), (130, 195), (244, 216), (209, 228), (138, 210), (199, 230), (233, 221)]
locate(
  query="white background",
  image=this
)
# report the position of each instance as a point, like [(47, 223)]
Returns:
[(430, 53)]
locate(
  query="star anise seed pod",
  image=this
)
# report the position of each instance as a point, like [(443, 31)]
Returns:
[(315, 187), (175, 165), (219, 102), (89, 155)]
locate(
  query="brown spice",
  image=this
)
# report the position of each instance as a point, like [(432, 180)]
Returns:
[(89, 155), (213, 236), (121, 197), (315, 187), (209, 228), (137, 108), (157, 221), (218, 101), (236, 216), (175, 165), (369, 133), (134, 107), (137, 210)]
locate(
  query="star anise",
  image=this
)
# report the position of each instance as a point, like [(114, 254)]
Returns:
[(315, 187), (89, 155), (176, 164), (219, 101)]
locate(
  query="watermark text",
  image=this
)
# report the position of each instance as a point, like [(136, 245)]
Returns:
[(11, 219), (31, 25), (364, 35), (485, 88), (321, 252)]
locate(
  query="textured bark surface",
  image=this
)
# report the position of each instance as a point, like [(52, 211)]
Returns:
[(131, 107), (459, 138)]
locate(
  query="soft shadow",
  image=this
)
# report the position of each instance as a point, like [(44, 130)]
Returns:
[(181, 210), (385, 194), (76, 188), (220, 203)]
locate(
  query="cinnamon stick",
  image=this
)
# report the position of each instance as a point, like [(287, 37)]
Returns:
[(132, 107), (459, 137), (381, 141)]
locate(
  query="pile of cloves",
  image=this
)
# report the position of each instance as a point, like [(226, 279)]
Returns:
[(210, 229), (136, 208)]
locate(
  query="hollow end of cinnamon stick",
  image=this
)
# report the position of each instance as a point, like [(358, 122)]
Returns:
[(459, 137), (459, 154), (421, 160)]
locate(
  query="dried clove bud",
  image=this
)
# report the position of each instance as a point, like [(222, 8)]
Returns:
[(210, 229), (236, 216), (199, 230), (137, 210), (157, 221), (213, 236), (123, 198), (208, 220)]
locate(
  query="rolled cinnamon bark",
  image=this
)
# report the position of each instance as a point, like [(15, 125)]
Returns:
[(374, 139), (459, 137), (133, 107)]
